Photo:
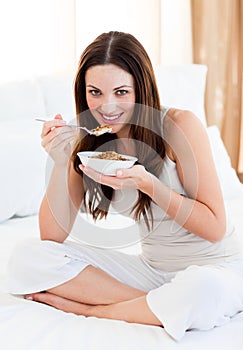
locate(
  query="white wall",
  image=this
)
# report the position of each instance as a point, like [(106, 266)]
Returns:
[(46, 36), (162, 26), (36, 37), (138, 17)]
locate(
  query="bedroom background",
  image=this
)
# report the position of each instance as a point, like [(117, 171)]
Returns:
[(46, 37), (194, 44)]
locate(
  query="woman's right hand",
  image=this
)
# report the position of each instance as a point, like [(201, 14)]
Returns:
[(57, 138)]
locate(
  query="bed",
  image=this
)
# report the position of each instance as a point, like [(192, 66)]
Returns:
[(26, 325)]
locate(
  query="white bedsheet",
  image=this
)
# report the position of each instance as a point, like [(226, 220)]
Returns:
[(26, 325)]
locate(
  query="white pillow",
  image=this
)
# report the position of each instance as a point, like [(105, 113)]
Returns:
[(22, 176), (230, 183), (183, 86)]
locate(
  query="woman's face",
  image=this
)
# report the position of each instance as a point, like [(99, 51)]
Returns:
[(110, 95)]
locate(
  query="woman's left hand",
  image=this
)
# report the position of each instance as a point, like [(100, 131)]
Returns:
[(135, 177)]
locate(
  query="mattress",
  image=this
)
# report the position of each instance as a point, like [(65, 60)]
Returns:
[(27, 325)]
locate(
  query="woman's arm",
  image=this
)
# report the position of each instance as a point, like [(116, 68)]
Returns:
[(202, 212), (60, 204), (64, 192)]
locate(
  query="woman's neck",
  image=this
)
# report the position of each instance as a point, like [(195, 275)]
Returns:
[(126, 146)]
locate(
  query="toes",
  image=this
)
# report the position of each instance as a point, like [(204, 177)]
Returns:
[(41, 297), (60, 303), (45, 298), (49, 299)]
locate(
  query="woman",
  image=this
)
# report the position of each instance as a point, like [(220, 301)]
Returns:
[(189, 274)]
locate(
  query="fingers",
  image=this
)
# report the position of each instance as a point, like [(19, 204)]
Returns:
[(52, 124), (111, 181), (57, 149), (134, 171), (125, 178), (57, 137), (124, 173), (94, 175), (60, 133), (58, 116)]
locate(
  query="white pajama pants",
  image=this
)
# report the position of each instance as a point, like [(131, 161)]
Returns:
[(199, 297)]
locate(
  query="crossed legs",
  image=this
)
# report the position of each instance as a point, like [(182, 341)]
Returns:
[(95, 293)]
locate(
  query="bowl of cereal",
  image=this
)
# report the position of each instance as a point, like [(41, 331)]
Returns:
[(107, 162)]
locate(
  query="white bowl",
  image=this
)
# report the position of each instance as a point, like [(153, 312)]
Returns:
[(105, 166)]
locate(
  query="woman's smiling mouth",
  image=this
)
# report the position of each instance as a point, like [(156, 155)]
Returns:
[(111, 118)]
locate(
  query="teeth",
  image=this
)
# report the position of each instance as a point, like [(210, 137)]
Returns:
[(111, 118)]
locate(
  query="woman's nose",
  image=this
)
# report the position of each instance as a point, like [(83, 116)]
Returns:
[(108, 108)]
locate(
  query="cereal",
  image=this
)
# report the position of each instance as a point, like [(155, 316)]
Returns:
[(102, 129), (109, 155)]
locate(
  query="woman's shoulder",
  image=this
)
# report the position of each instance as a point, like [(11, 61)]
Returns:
[(184, 120), (179, 116), (182, 127)]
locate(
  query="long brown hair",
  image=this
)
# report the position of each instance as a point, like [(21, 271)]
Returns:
[(126, 52)]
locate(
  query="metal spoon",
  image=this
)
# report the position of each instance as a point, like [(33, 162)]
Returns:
[(100, 130)]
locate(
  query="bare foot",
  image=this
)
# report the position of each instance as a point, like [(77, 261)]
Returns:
[(135, 310), (60, 303)]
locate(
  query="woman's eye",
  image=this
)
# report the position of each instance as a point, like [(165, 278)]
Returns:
[(94, 92), (122, 92)]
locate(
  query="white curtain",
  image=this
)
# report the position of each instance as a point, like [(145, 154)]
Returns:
[(176, 32)]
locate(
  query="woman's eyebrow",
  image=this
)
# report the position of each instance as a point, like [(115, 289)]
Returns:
[(92, 86), (116, 88), (122, 86)]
